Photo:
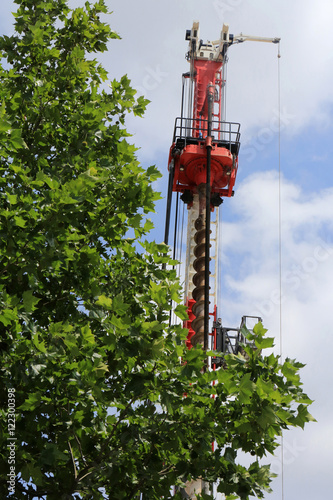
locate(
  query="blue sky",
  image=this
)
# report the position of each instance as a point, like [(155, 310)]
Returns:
[(152, 52)]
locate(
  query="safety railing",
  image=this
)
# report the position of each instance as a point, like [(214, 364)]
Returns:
[(231, 340), (193, 131)]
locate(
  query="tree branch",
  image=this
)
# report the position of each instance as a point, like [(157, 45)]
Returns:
[(73, 460), (89, 468)]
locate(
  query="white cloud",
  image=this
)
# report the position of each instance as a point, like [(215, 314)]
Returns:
[(253, 235), (251, 286), (152, 53), (157, 40)]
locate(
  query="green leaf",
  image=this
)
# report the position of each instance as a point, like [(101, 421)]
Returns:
[(259, 330), (32, 402), (16, 139), (104, 302), (19, 221), (5, 126), (71, 343), (246, 389), (40, 345), (12, 198), (29, 301), (7, 316), (87, 335), (264, 343), (181, 312), (51, 455), (267, 417), (119, 305), (303, 416), (230, 455)]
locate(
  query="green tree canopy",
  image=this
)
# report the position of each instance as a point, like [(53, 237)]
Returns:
[(108, 400)]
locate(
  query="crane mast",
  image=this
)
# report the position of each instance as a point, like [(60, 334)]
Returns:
[(203, 163)]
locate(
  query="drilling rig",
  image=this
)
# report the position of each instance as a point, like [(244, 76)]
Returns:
[(202, 164)]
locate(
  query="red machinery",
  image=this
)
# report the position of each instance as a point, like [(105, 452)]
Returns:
[(200, 126), (203, 162)]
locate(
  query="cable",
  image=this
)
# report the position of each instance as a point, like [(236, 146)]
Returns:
[(280, 254), (210, 102), (220, 263), (175, 229), (181, 240), (169, 203), (280, 232), (224, 87)]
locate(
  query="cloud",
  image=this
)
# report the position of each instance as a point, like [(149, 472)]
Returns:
[(250, 265), (152, 53), (252, 238)]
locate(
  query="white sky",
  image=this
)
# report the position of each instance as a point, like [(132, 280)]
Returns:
[(152, 52)]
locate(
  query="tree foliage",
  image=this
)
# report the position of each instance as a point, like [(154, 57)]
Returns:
[(104, 407)]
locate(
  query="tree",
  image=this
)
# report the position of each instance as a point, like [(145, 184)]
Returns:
[(108, 400)]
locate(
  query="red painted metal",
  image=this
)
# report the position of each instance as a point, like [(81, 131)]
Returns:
[(196, 132), (187, 324), (205, 76), (190, 169), (189, 154)]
